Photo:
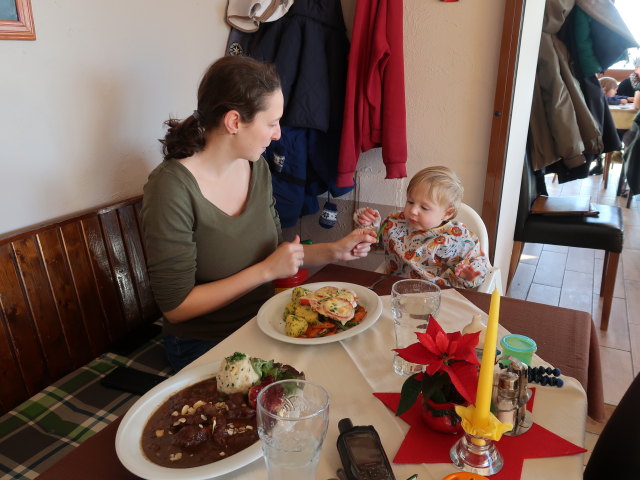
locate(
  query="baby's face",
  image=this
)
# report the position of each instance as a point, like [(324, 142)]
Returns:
[(422, 212), (611, 92)]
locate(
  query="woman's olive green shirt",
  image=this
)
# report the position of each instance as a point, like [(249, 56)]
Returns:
[(189, 241)]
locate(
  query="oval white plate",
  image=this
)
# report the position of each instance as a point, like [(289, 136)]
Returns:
[(271, 322), (129, 449)]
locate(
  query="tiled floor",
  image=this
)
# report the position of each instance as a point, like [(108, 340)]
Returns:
[(570, 277)]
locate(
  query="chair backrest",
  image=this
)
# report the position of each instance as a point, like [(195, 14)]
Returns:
[(471, 219), (528, 193)]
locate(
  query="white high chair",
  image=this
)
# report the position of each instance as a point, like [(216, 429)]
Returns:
[(471, 219), (474, 222)]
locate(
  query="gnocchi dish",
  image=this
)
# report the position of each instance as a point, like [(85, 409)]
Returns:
[(326, 311)]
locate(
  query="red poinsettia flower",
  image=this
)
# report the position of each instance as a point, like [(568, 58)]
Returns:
[(450, 353)]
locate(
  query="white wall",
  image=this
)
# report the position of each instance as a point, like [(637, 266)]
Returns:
[(82, 106)]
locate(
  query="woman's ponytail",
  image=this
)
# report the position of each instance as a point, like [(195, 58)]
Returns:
[(183, 138)]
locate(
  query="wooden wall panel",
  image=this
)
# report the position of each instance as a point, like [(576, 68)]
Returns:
[(114, 244), (42, 306), (67, 291), (133, 244), (89, 304), (107, 287), (65, 298), (17, 338)]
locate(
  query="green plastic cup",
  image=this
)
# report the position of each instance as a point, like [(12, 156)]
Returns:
[(518, 346)]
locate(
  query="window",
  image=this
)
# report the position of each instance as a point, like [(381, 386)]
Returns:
[(630, 12)]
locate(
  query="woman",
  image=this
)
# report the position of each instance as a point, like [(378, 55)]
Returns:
[(211, 231)]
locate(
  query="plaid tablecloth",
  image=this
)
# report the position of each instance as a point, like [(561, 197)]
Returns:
[(43, 429)]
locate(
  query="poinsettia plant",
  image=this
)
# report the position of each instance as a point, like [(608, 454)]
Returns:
[(451, 373)]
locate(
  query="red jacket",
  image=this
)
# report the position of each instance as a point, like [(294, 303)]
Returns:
[(374, 112)]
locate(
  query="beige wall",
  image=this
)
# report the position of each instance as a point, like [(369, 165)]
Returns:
[(83, 105)]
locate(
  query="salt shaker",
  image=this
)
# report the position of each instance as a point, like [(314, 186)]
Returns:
[(507, 397)]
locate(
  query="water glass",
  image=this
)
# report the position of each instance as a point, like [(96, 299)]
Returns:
[(292, 418), (412, 301)]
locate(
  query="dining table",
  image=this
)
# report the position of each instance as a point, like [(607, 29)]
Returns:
[(353, 369)]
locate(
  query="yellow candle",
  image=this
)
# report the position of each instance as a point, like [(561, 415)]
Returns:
[(485, 381)]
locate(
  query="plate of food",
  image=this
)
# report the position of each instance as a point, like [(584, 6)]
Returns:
[(318, 313), (200, 423)]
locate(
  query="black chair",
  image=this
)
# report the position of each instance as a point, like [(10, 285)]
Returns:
[(603, 232), (615, 454)]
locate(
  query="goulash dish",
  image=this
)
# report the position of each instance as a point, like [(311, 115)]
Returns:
[(213, 419)]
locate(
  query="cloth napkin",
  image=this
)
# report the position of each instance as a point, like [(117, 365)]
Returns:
[(424, 445)]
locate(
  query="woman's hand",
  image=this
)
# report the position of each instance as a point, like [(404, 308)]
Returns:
[(355, 245), (286, 260)]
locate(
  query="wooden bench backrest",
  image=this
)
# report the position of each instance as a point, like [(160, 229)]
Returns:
[(67, 291)]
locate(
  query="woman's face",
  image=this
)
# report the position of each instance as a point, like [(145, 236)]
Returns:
[(422, 212), (254, 137)]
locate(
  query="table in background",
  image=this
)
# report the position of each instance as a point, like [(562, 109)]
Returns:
[(341, 364)]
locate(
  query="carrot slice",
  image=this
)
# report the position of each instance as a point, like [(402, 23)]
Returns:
[(359, 315)]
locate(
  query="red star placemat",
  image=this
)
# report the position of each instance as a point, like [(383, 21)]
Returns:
[(538, 442)]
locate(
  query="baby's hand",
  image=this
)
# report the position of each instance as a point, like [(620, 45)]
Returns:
[(623, 101), (368, 217), (466, 272)]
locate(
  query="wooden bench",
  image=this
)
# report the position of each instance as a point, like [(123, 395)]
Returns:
[(68, 291)]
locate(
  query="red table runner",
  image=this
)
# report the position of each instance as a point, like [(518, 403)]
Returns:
[(424, 445)]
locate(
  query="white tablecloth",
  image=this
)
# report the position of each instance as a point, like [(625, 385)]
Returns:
[(353, 369)]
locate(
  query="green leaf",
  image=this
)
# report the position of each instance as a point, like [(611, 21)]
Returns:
[(432, 386), (409, 394), (261, 366), (235, 357)]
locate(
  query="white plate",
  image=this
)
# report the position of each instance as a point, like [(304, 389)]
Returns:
[(271, 322), (128, 446)]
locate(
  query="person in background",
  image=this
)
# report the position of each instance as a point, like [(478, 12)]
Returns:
[(423, 241), (631, 84), (610, 88), (210, 228)]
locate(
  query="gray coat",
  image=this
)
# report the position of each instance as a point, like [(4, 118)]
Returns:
[(562, 128)]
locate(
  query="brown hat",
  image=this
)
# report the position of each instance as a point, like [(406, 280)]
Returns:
[(247, 15)]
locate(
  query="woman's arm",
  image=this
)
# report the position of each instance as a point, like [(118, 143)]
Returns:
[(355, 245), (285, 261), (207, 297)]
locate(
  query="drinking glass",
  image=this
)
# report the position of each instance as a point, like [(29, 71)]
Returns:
[(412, 301), (292, 418)]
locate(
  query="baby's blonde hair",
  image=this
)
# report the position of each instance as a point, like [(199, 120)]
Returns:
[(442, 186), (607, 83)]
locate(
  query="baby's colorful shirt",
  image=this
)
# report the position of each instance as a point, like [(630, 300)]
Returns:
[(436, 254)]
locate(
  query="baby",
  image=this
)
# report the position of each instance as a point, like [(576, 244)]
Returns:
[(610, 88), (423, 241)]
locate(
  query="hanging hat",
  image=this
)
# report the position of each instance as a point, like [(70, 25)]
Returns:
[(329, 215), (246, 15)]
